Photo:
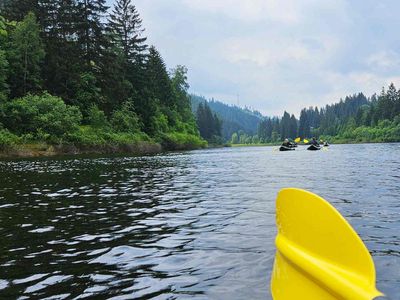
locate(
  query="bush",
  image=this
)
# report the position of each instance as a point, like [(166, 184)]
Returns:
[(160, 123), (125, 119), (384, 131), (85, 136), (7, 139), (44, 115), (89, 136), (181, 141), (97, 118)]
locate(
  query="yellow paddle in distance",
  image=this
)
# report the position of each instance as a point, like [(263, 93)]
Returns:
[(305, 141), (297, 140), (319, 255)]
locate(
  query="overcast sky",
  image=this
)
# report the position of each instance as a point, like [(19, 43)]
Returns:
[(278, 55)]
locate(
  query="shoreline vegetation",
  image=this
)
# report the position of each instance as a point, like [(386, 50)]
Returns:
[(87, 83), (356, 119)]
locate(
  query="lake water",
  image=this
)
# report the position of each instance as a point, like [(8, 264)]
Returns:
[(198, 225)]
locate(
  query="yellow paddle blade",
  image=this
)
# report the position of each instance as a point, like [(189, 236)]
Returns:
[(319, 255), (297, 140), (305, 141)]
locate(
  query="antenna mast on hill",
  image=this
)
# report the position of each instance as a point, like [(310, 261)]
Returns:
[(237, 97)]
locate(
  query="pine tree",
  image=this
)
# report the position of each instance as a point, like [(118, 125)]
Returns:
[(208, 123), (115, 85), (159, 84), (90, 31), (63, 63), (285, 125), (17, 10), (217, 126), (262, 130), (201, 120), (125, 25), (126, 36), (293, 127)]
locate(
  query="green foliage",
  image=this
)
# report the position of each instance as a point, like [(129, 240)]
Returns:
[(255, 139), (42, 115), (208, 123), (3, 60), (25, 55), (269, 128), (180, 88), (3, 76), (182, 141), (235, 138), (97, 118), (233, 118), (88, 93), (7, 139), (125, 25), (159, 84), (384, 131), (88, 136), (160, 123), (107, 88), (125, 119), (17, 9)]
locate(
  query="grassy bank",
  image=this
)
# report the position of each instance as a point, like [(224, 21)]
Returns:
[(88, 140), (43, 149)]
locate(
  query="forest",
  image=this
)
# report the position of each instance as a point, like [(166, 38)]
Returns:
[(232, 118), (354, 119), (80, 73)]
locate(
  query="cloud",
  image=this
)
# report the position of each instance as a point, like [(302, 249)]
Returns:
[(250, 11), (384, 60), (278, 55)]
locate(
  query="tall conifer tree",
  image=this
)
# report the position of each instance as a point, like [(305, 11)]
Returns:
[(126, 27), (90, 31)]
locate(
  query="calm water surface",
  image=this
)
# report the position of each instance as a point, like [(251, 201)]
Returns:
[(196, 225)]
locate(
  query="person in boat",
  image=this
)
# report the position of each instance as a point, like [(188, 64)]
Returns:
[(314, 142), (287, 143)]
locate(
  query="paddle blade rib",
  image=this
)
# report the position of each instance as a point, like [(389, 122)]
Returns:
[(319, 255)]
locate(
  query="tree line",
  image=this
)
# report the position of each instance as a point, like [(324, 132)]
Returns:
[(233, 118), (209, 124), (91, 62), (355, 118)]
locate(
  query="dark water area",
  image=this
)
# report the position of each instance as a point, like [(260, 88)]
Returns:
[(198, 225)]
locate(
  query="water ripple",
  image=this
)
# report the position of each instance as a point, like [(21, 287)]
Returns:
[(197, 225)]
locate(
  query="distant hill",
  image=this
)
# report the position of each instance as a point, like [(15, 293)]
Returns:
[(233, 117)]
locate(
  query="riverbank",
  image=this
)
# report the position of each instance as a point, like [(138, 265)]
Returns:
[(91, 140), (171, 142), (46, 150)]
